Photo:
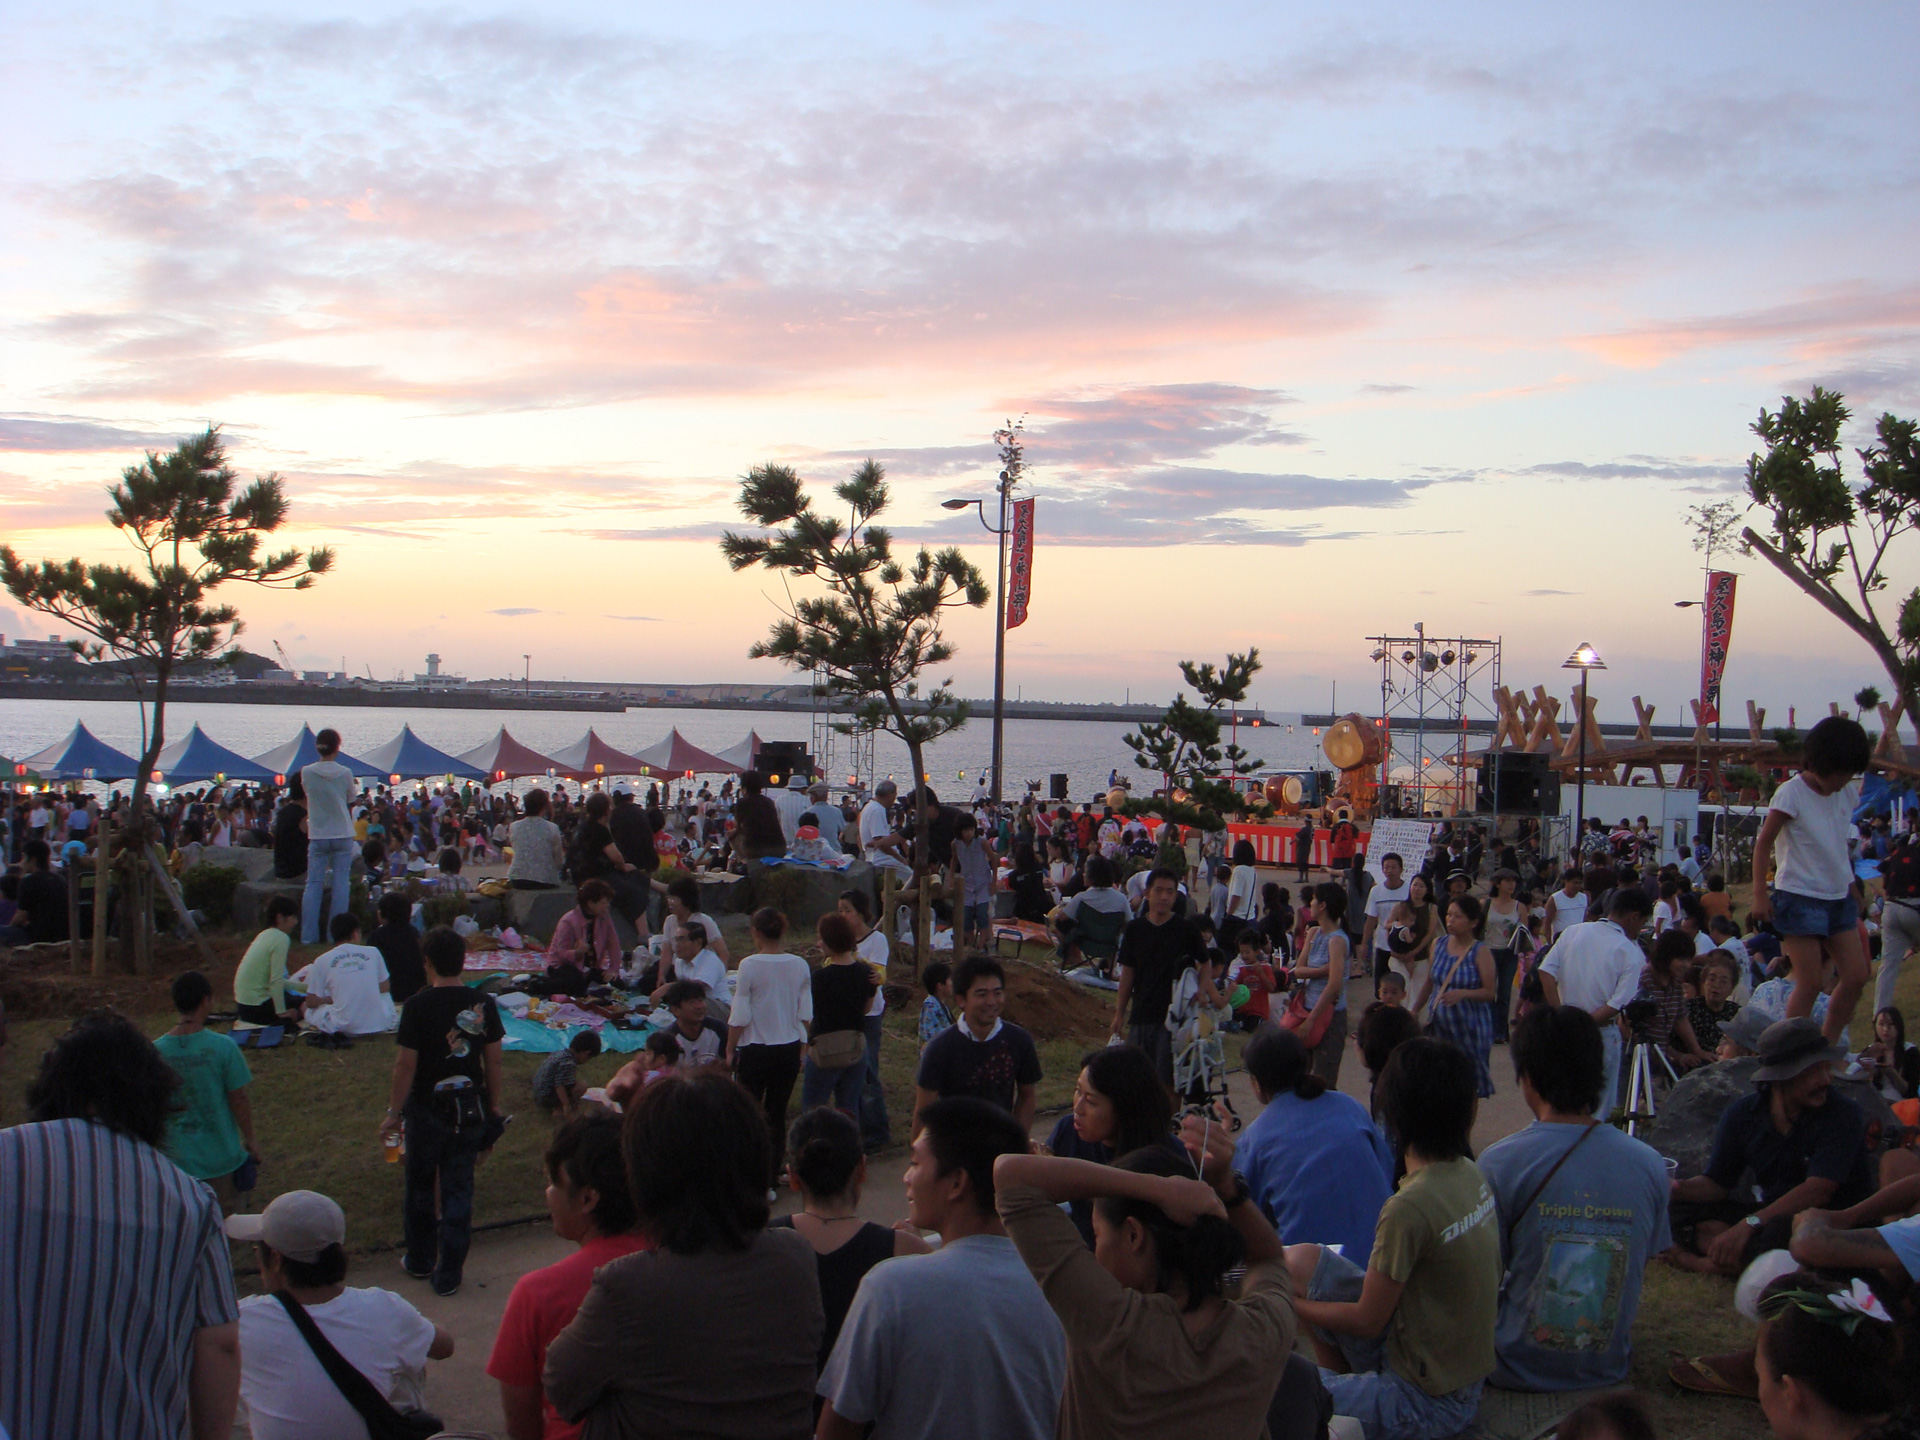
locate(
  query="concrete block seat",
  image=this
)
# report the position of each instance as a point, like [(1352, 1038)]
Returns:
[(805, 893), (250, 896), (250, 899)]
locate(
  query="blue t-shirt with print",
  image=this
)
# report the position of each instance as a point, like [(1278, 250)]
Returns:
[(1574, 1259)]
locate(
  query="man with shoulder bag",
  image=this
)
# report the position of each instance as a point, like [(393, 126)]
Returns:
[(316, 1355), (446, 1101)]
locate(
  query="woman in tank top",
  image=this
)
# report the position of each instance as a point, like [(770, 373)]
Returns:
[(826, 1166), (1506, 918)]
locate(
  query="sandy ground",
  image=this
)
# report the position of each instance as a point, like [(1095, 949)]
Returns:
[(461, 1392)]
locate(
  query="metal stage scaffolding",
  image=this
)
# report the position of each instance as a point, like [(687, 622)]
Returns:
[(1431, 689), (839, 759)]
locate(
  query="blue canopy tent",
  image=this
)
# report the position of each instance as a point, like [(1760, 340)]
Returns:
[(82, 756), (298, 753), (1877, 794), (408, 757), (196, 756)]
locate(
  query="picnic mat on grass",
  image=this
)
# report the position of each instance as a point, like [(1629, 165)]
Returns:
[(487, 962), (530, 1035)]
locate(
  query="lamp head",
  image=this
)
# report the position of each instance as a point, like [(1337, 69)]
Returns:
[(955, 504), (1584, 657)]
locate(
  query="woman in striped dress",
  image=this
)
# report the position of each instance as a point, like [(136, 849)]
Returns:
[(1457, 999)]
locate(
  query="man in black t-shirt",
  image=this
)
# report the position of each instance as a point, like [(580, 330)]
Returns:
[(446, 1093), (1155, 948), (983, 1056), (756, 834), (399, 945), (632, 831), (1806, 1148), (42, 898)]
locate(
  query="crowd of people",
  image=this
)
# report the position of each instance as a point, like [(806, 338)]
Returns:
[(1151, 1268)]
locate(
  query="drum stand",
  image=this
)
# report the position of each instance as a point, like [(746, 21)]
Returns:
[(1640, 1079)]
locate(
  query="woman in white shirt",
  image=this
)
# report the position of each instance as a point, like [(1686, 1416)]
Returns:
[(772, 1003), (1243, 893)]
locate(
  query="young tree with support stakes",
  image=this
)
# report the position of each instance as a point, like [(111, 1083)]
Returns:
[(876, 630), (1833, 540), (194, 535), (1184, 746)]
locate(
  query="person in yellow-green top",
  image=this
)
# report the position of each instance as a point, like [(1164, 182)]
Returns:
[(1406, 1344), (211, 1135), (260, 981)]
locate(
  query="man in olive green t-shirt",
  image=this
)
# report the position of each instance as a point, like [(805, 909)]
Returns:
[(1406, 1344)]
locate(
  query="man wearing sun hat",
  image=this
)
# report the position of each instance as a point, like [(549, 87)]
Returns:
[(1806, 1147), (300, 1239)]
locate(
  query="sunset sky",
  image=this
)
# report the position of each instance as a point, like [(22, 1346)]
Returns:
[(1325, 319)]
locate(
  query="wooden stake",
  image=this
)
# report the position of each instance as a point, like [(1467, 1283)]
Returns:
[(179, 903), (102, 886)]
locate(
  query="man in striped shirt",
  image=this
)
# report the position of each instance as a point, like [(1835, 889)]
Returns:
[(117, 1309)]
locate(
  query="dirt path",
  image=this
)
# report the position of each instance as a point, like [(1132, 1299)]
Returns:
[(461, 1392)]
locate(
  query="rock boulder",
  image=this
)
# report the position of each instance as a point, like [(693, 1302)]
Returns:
[(1689, 1114)]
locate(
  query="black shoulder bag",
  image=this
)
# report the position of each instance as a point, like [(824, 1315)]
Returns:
[(383, 1421), (1520, 1212)]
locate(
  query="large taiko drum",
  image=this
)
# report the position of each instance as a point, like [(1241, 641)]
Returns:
[(1284, 790), (1353, 743)]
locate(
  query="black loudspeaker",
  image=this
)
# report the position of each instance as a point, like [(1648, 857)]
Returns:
[(1056, 787), (780, 760), (1527, 784)]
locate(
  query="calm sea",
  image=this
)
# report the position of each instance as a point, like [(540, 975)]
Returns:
[(1086, 751)]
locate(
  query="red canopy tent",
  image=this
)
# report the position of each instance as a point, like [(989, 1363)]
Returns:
[(591, 758), (505, 758), (677, 755)]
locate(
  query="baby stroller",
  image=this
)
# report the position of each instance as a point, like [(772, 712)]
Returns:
[(1200, 1061)]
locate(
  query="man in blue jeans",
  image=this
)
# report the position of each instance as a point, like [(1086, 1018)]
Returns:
[(330, 846), (446, 1099)]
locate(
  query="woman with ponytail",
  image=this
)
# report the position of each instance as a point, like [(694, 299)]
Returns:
[(1154, 1346), (826, 1165)]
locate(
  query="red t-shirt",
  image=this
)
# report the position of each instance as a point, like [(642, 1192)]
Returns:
[(543, 1303)]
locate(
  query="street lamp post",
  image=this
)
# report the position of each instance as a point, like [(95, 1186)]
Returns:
[(999, 611), (1585, 659)]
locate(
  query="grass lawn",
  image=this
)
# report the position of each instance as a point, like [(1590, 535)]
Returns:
[(317, 1111)]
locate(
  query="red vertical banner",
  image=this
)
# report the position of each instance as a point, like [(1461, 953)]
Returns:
[(1020, 567), (1716, 633)]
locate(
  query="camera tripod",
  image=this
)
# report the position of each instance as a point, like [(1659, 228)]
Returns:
[(1640, 1081)]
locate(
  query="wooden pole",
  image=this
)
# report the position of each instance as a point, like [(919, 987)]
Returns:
[(73, 917), (102, 885), (179, 903), (889, 906), (923, 924)]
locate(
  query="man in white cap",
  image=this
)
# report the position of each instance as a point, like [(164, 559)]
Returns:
[(792, 804), (826, 817), (882, 849), (301, 1242)]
